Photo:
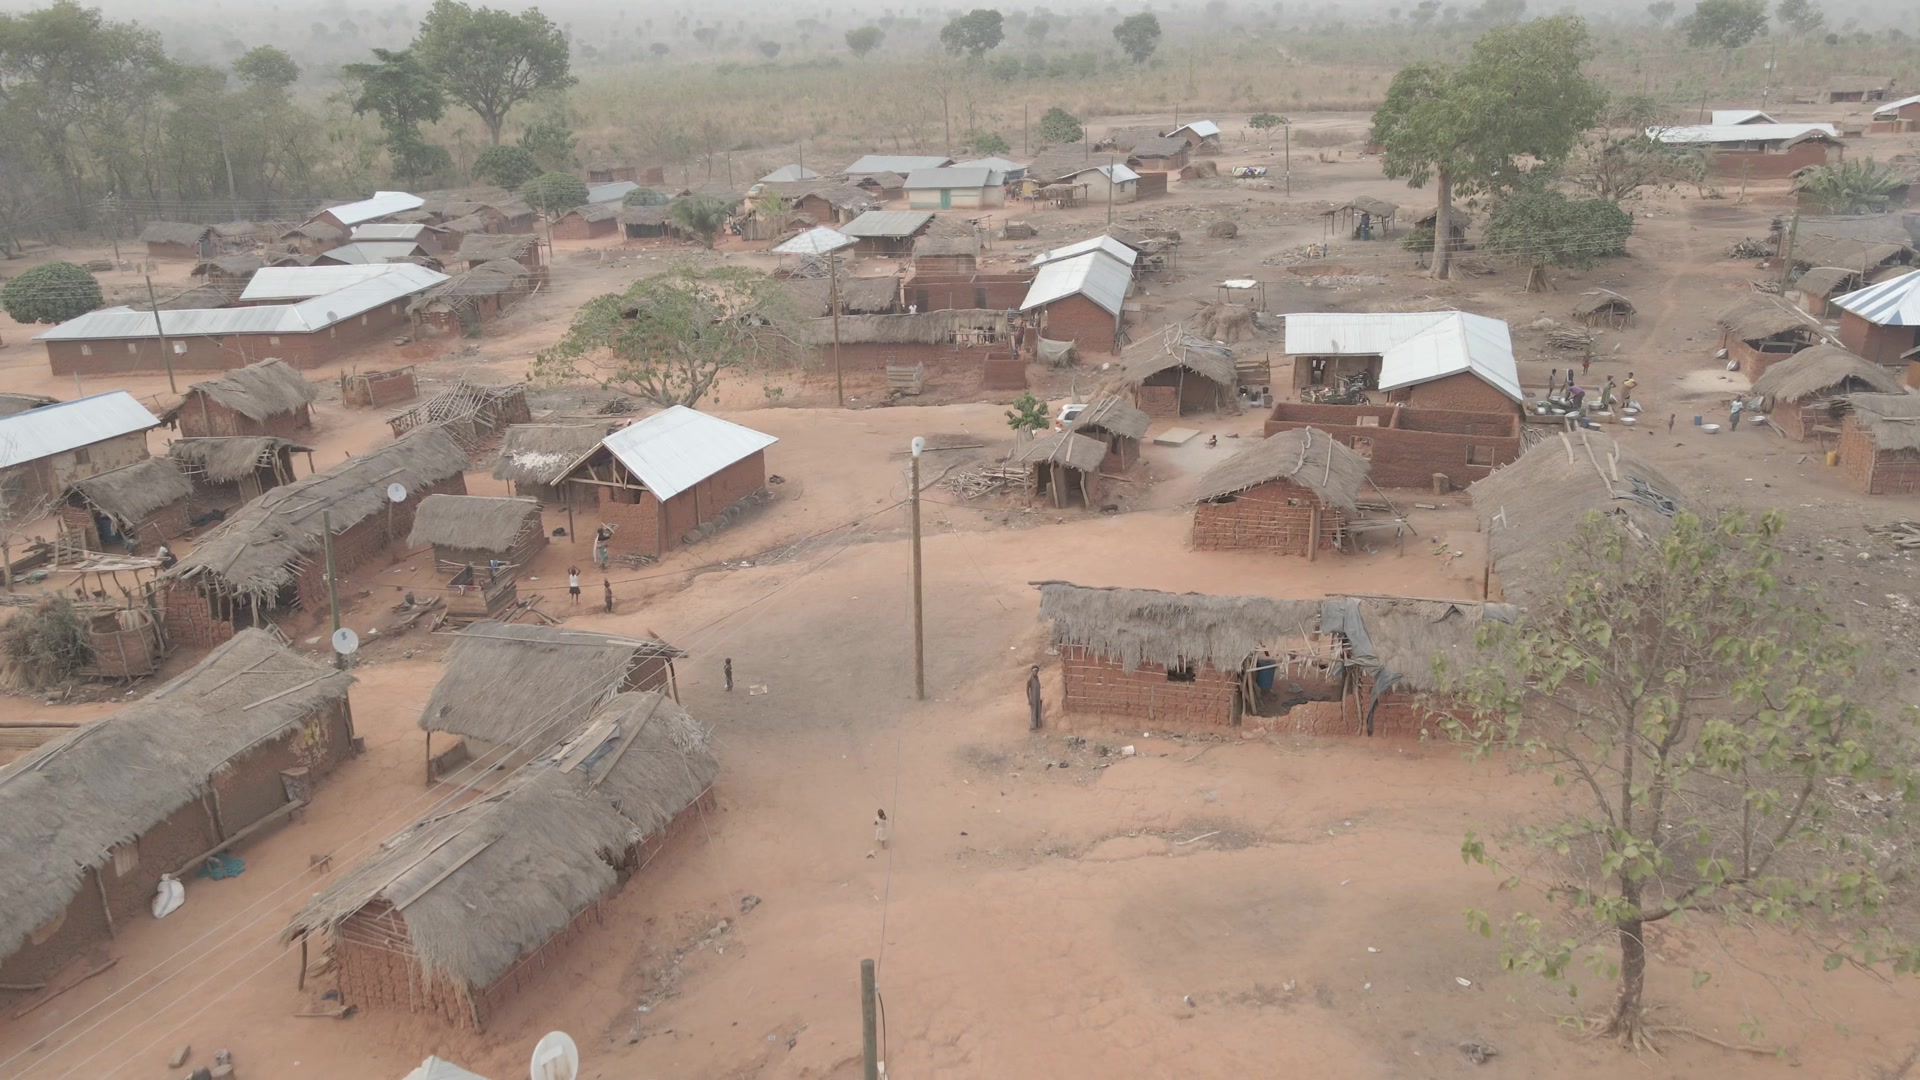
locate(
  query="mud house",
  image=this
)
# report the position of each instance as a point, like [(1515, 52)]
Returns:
[(305, 334), (1457, 223), (1062, 468), (1814, 290), (265, 560), (930, 291), (946, 255), (1882, 322), (44, 451), (534, 458), (888, 232), (1897, 117), (442, 920), (1534, 508), (1604, 307), (508, 215), (662, 479), (378, 389), (1202, 136), (469, 530), (1407, 448), (589, 222), (1870, 244), (178, 240), (1102, 184), (646, 222), (1119, 425), (267, 398), (510, 690), (467, 301), (132, 508), (1439, 359), (1761, 330), (1159, 153), (885, 186), (94, 818), (1756, 151), (231, 470), (525, 250), (1806, 395), (1174, 373), (954, 189), (312, 237), (1291, 493), (609, 170), (1844, 88), (827, 202), (1081, 299), (1880, 444), (963, 349)]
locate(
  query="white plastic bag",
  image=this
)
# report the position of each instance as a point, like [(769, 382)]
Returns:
[(169, 896)]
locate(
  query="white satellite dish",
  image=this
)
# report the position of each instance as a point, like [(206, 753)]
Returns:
[(555, 1057), (345, 641), (397, 493)]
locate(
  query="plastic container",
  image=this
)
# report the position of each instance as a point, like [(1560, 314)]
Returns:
[(1711, 429)]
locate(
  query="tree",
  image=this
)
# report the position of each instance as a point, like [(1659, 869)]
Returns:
[(1546, 228), (1038, 26), (669, 337), (1725, 24), (1519, 103), (492, 60), (1060, 126), (400, 90), (551, 143), (706, 35), (643, 197), (1660, 11), (864, 40), (266, 66), (986, 143), (701, 215), (1265, 121), (1029, 413), (51, 293), (1854, 186), (1803, 17), (1138, 36), (554, 193), (659, 49), (1704, 727), (769, 49), (973, 33), (1617, 157), (505, 166)]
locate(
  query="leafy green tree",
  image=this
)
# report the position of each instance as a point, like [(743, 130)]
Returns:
[(1705, 729), (863, 40), (769, 49), (415, 158), (1725, 24), (700, 215), (643, 197), (1029, 413), (1265, 121), (1038, 27), (1060, 126), (1803, 17), (554, 193), (399, 89), (1138, 35), (1854, 186), (505, 166), (1617, 157), (51, 293), (490, 60), (973, 33), (986, 143), (551, 143), (1660, 12), (266, 66), (1520, 102), (1546, 228), (669, 337)]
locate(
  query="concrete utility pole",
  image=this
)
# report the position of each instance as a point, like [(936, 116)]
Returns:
[(869, 1023), (919, 613), (333, 587), (166, 353)]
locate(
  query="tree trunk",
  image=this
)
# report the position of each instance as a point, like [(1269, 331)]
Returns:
[(1443, 226), (1624, 1024), (494, 124)]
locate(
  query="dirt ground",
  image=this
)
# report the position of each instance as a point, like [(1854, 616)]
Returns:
[(1262, 905)]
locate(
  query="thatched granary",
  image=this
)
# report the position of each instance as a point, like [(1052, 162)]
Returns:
[(533, 459), (94, 818), (510, 690), (1805, 394), (1063, 464), (267, 398), (265, 558), (1532, 509), (1121, 426), (1174, 373), (459, 910), (1763, 330), (228, 471), (133, 508), (474, 530), (1290, 493), (1880, 444), (1604, 307)]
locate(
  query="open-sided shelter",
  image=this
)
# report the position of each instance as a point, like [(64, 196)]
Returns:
[(132, 508), (1762, 330), (1880, 444), (1806, 394), (660, 479), (1174, 373), (1361, 218), (1063, 465), (1119, 425), (231, 470), (1291, 493), (267, 398)]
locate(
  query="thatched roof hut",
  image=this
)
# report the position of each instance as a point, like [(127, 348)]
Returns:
[(1076, 452), (1111, 415), (13, 402), (1305, 456), (1759, 317), (229, 459), (229, 268), (484, 249), (1823, 371), (476, 889), (473, 523), (925, 328), (1171, 630), (1397, 639), (131, 492), (259, 549), (1596, 306), (1824, 281), (813, 297), (522, 686), (65, 806), (1893, 420), (258, 391), (932, 246), (1164, 352), (1531, 509), (538, 454), (182, 233)]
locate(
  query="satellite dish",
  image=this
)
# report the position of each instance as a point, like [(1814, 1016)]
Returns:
[(555, 1057), (919, 445), (397, 493), (345, 641)]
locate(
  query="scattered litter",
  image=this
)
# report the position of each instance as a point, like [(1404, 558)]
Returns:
[(748, 903), (1127, 750), (1477, 1051), (1366, 986), (1463, 982), (756, 690), (1372, 949)]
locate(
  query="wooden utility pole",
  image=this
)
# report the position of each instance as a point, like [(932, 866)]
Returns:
[(833, 305), (1023, 129), (869, 1023), (919, 614), (166, 353), (1786, 251), (1112, 180), (333, 587)]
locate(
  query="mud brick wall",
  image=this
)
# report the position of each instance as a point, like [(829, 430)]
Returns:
[(108, 357), (1276, 516), (1151, 183), (1157, 400), (1437, 440), (1880, 344), (1101, 685), (1762, 165), (1873, 471), (186, 832), (646, 527), (190, 619), (1463, 391), (1083, 322), (165, 523), (83, 927), (575, 227), (377, 968), (1003, 373), (376, 390), (941, 360), (367, 539), (1754, 360), (1797, 421), (929, 290), (201, 417)]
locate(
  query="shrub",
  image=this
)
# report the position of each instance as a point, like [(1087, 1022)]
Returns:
[(52, 293)]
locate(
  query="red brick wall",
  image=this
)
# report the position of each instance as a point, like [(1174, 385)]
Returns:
[(930, 291), (1276, 516), (1099, 684), (1004, 373), (1880, 344), (1153, 183), (944, 265), (201, 417), (639, 528), (1409, 458), (190, 618), (1463, 391), (1754, 361), (377, 968), (938, 358), (163, 524), (1083, 322), (376, 390), (367, 539), (232, 351), (1398, 713), (1157, 400), (1760, 165), (1873, 471)]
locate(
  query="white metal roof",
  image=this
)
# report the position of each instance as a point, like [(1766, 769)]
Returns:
[(610, 192), (1414, 346), (67, 425), (1725, 117), (1094, 275), (888, 223), (789, 173), (1893, 302), (306, 282), (672, 451), (436, 1069), (304, 317), (1892, 107), (922, 179), (383, 204), (387, 230), (895, 163), (1206, 129), (372, 251), (1693, 134), (996, 163), (1102, 243), (1116, 172), (817, 241)]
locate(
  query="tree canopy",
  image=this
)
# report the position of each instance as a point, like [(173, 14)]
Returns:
[(51, 293), (701, 215), (1725, 24), (973, 33), (554, 193), (402, 92), (1803, 17), (863, 40), (644, 197), (1060, 126), (1138, 35), (1546, 228), (491, 60), (266, 66), (987, 143), (505, 166), (1263, 121), (551, 143), (1853, 186)]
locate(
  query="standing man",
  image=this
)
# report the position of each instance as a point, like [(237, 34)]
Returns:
[(727, 673), (1033, 698), (1606, 395)]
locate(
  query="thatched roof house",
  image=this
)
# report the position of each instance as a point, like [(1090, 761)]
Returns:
[(518, 687), (1603, 306), (520, 247), (465, 897), (1531, 509), (133, 497), (1802, 391), (1051, 458), (1121, 426), (236, 468), (1170, 630), (534, 457), (926, 328), (813, 297), (1173, 373), (1763, 330), (1306, 457), (1822, 282), (1880, 444), (77, 807), (264, 398), (177, 240), (474, 529), (1290, 493)]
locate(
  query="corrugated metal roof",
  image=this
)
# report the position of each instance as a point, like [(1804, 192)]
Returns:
[(818, 241), (1413, 346), (388, 230), (1696, 134), (922, 179), (895, 163), (382, 204), (1725, 117), (67, 425), (1892, 107), (373, 251), (1116, 172), (306, 282), (401, 280), (435, 1069), (610, 192), (1206, 129), (672, 451), (995, 163), (1341, 333), (1099, 278), (1105, 244), (888, 223), (1893, 302), (788, 173)]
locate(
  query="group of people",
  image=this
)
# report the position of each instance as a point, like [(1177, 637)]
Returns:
[(1575, 395)]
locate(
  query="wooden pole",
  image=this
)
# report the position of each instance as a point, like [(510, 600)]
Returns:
[(166, 354), (919, 615), (869, 1023), (333, 588), (1786, 251), (833, 306)]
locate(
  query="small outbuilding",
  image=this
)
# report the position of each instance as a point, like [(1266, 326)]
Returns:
[(1762, 330), (231, 470), (1291, 493), (178, 240), (1160, 153), (1844, 88), (662, 480), (1604, 307), (534, 458), (588, 222), (1117, 424), (267, 398), (1814, 290), (1806, 395), (1880, 444), (1062, 465), (133, 508), (474, 530), (1882, 321), (888, 232), (1203, 136), (1175, 373)]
